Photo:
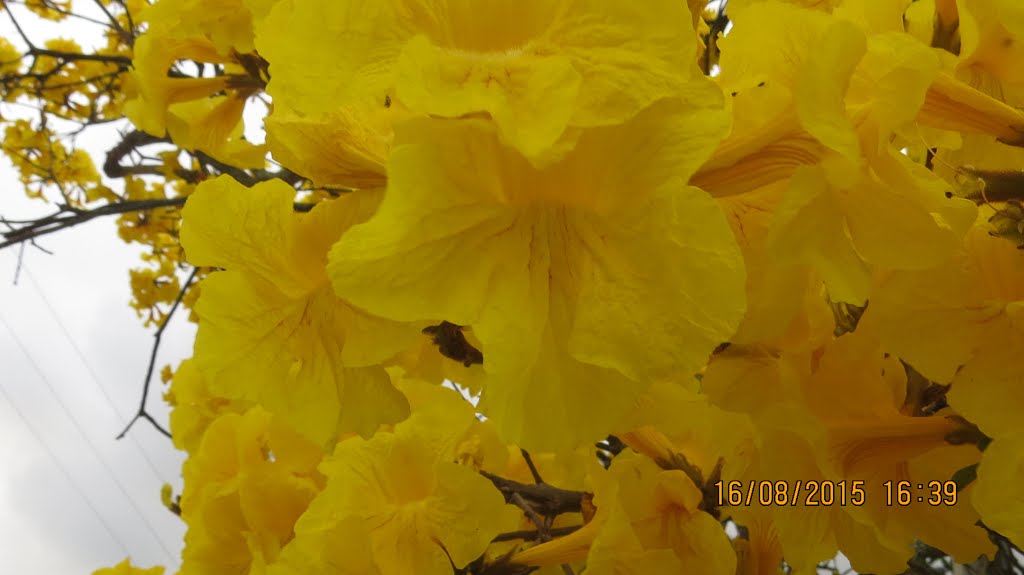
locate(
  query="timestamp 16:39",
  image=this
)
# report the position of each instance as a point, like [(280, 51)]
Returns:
[(934, 493), (814, 493)]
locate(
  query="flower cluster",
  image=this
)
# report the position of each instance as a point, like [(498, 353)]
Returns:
[(783, 253)]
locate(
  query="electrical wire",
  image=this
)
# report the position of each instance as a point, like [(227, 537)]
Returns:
[(92, 373), (56, 461), (81, 432)]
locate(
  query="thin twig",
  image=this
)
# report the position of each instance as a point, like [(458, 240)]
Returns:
[(532, 515), (17, 269), (17, 27), (67, 217), (125, 35), (73, 56), (142, 413), (545, 499), (532, 534), (533, 468)]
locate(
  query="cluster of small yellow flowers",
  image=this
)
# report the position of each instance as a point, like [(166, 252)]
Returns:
[(76, 89), (55, 10), (10, 58), (157, 286), (201, 113), (43, 162)]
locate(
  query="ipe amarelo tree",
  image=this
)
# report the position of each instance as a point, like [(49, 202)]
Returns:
[(683, 266)]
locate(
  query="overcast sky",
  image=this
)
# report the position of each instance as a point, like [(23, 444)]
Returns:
[(72, 359), (73, 355)]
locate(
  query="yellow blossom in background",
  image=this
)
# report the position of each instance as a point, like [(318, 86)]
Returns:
[(125, 568), (10, 57)]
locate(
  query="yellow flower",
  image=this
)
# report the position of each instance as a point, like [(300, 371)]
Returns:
[(339, 548), (194, 407), (407, 501), (670, 420), (819, 108), (893, 216), (423, 361), (987, 37), (786, 306), (837, 415), (249, 481), (347, 148), (161, 100), (583, 280), (154, 56), (214, 126), (997, 495), (971, 309), (751, 378), (228, 24), (10, 58), (535, 69), (642, 510), (125, 568), (271, 330), (55, 10), (617, 551), (760, 552), (442, 417), (857, 392)]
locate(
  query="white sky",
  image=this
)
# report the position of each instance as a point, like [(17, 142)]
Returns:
[(73, 355), (52, 398)]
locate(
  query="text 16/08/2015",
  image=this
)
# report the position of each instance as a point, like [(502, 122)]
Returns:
[(826, 493)]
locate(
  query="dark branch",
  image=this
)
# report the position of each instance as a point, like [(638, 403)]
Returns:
[(67, 217), (533, 468), (999, 186), (73, 56), (532, 534), (545, 499), (142, 413)]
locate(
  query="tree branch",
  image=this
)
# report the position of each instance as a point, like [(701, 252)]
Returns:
[(532, 534), (545, 499), (142, 413), (73, 56), (67, 217)]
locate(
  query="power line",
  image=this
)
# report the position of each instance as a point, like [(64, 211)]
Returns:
[(53, 457), (81, 432), (92, 372)]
